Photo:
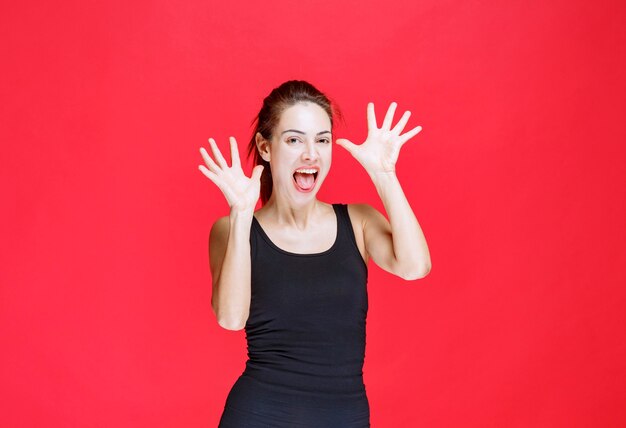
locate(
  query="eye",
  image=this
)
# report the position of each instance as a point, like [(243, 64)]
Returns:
[(324, 140), (292, 140)]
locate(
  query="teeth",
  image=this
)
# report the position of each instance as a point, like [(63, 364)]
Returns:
[(307, 171)]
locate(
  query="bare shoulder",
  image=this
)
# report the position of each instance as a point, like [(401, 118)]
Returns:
[(359, 216), (218, 239), (363, 213), (220, 228), (371, 229), (373, 222)]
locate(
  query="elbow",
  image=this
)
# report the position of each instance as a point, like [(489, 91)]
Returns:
[(231, 325), (416, 274), (229, 322), (228, 319)]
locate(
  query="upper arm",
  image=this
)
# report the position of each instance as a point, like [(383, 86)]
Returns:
[(218, 240), (377, 237)]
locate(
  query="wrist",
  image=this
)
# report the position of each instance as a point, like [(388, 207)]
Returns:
[(383, 176), (241, 213)]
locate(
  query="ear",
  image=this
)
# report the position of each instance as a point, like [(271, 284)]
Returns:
[(263, 146)]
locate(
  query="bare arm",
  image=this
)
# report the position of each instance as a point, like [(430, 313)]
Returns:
[(229, 255), (229, 240), (398, 245)]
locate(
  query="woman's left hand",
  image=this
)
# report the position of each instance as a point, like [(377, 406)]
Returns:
[(379, 153)]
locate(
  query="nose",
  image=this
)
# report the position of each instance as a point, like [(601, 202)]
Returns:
[(310, 152)]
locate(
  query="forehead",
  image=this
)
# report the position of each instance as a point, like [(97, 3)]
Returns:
[(306, 117)]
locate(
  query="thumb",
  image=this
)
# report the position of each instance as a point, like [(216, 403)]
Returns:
[(256, 172), (346, 144)]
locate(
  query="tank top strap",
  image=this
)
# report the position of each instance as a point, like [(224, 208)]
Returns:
[(345, 241), (345, 231), (254, 236), (343, 221)]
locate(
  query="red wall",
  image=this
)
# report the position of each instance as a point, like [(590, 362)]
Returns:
[(517, 180)]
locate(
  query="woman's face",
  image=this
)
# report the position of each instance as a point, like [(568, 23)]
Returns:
[(301, 152)]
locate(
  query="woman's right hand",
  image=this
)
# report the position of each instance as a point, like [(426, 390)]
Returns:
[(241, 192)]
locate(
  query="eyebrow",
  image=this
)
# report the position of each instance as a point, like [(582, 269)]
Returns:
[(303, 133)]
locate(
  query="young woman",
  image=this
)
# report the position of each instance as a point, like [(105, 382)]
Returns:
[(294, 272)]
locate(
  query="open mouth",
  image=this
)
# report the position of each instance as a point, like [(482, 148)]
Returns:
[(305, 179)]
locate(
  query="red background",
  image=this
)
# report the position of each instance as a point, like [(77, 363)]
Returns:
[(517, 180)]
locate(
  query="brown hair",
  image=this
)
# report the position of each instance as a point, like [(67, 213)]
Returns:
[(280, 99)]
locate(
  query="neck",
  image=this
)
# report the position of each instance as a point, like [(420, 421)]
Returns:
[(285, 213)]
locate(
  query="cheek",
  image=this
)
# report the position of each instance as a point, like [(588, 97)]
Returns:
[(281, 168), (328, 154)]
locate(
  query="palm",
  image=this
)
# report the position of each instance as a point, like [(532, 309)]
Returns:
[(241, 192), (379, 153)]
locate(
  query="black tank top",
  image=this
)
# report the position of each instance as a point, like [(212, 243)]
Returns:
[(305, 335), (306, 327)]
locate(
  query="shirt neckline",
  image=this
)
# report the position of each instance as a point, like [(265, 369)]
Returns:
[(289, 253)]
